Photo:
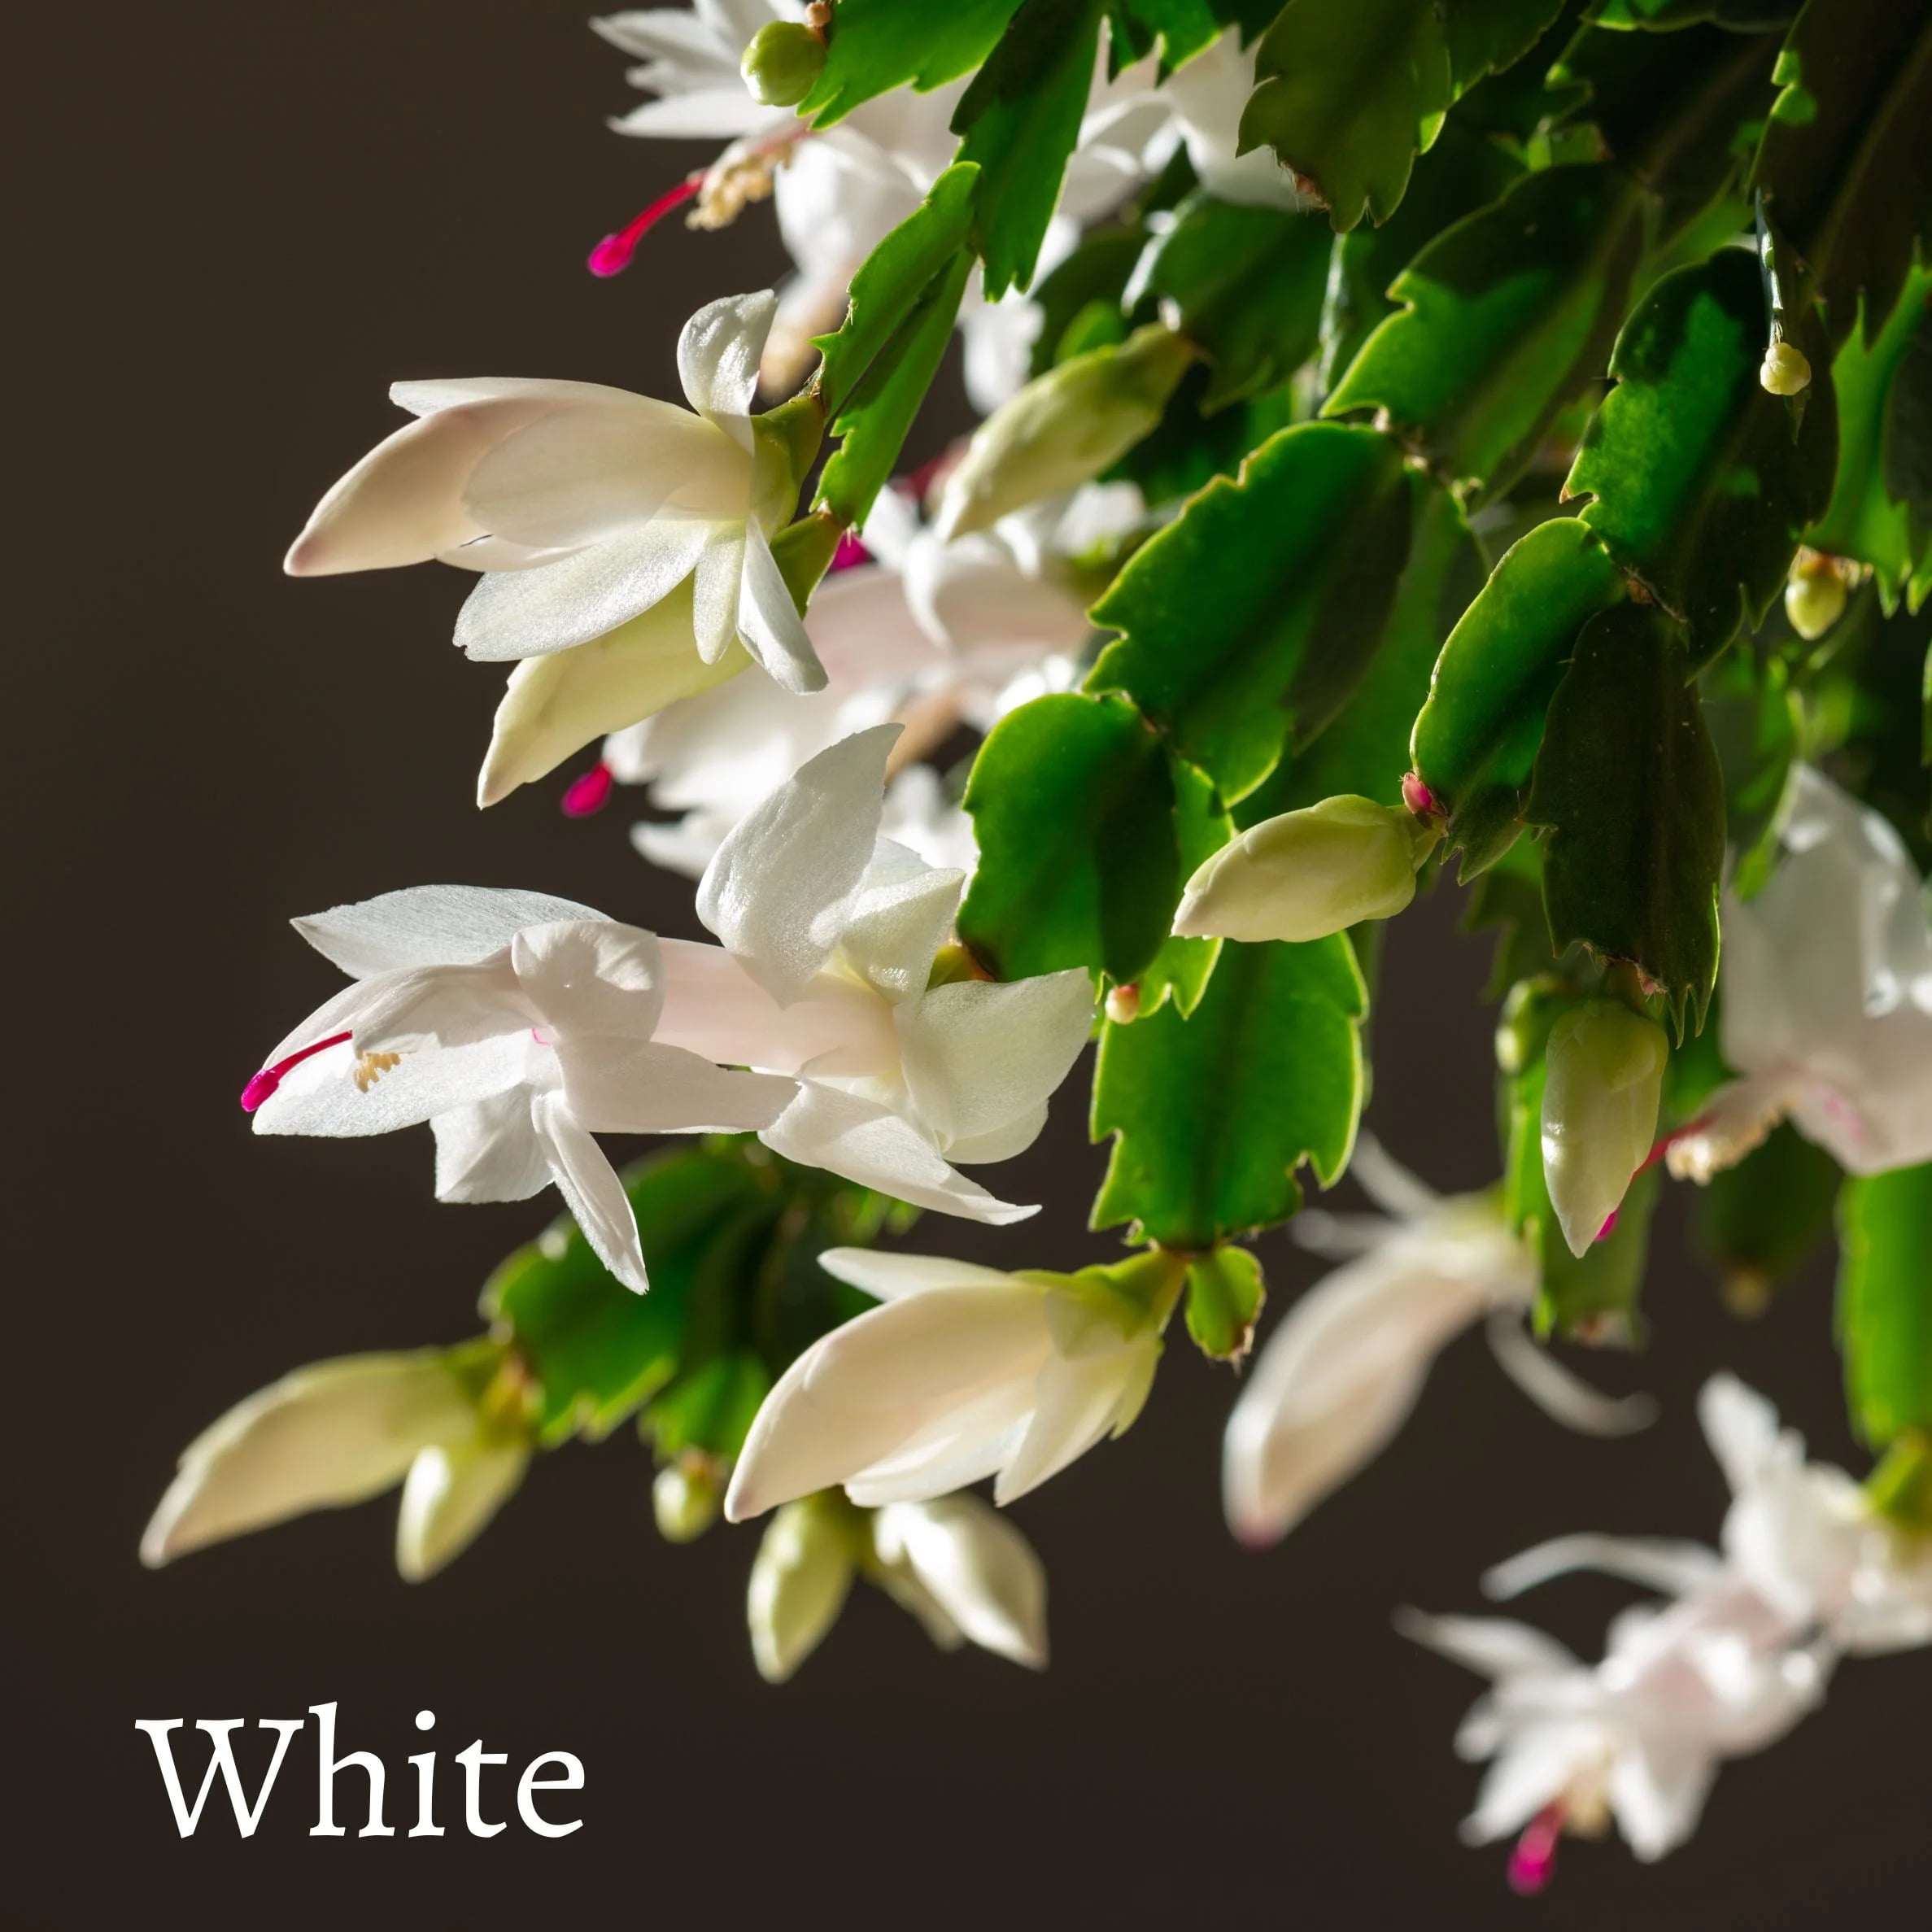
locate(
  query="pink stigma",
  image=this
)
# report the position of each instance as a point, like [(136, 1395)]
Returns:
[(1609, 1227), (265, 1083), (611, 256), (588, 793), (1533, 1863), (850, 553), (1418, 797)]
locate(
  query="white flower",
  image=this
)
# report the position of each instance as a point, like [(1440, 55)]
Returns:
[(966, 1573), (830, 937), (1601, 1088), (1341, 1374), (1305, 875), (1636, 1738), (1207, 96), (585, 507), (517, 1025), (1824, 997), (839, 192), (930, 634), (964, 1372), (338, 1432)]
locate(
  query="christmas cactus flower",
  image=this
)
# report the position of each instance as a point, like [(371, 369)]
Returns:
[(964, 1372), (1341, 1374), (517, 1025), (831, 972), (1824, 997), (339, 1432)]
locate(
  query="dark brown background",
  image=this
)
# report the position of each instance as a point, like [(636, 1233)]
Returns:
[(238, 223)]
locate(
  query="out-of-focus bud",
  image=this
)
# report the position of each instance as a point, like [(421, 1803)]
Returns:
[(1123, 1004), (799, 1582), (1310, 873), (1786, 371), (686, 1498), (452, 1492), (965, 1572), (1814, 593), (782, 62), (1603, 1079), (1063, 428)]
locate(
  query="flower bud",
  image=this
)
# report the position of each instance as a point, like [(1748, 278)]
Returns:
[(1063, 428), (685, 1499), (452, 1492), (782, 62), (1786, 371), (1815, 594), (1603, 1079), (1308, 873), (799, 1584), (966, 1571)]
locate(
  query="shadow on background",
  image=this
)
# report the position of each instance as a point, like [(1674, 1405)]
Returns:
[(252, 218)]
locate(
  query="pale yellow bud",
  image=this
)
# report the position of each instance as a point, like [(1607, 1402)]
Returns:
[(782, 63), (1786, 370), (686, 1498), (1603, 1081), (799, 1579), (1815, 595)]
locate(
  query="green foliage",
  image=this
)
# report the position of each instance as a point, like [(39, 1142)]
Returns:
[(1509, 314), (1214, 1113), (1845, 168), (1702, 479), (1248, 284), (1507, 900), (1759, 1222), (1885, 1301), (1475, 740), (877, 369), (1249, 620), (1180, 28), (1348, 96), (1755, 719), (1020, 119), (1180, 969), (874, 46), (1628, 785), (1078, 822), (1881, 508), (1080, 300), (1225, 1292)]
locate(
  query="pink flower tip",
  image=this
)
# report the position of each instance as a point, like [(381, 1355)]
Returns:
[(1418, 797), (259, 1088), (1609, 1227), (850, 553), (588, 793), (1532, 1862), (611, 256)]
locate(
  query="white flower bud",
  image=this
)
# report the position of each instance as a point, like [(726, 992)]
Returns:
[(685, 1499), (1063, 428), (1786, 371), (972, 1566), (799, 1584), (452, 1492), (1603, 1081), (1310, 873), (1814, 594)]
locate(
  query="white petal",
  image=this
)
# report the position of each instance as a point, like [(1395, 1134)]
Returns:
[(973, 593), (984, 1574), (1538, 1765), (711, 114), (336, 1432), (1013, 1137), (591, 1191), (514, 614), (427, 397), (780, 891), (861, 1393), (1493, 1646), (1389, 1184), (441, 1007), (953, 1450), (868, 1143), (717, 359), (1657, 1562), (717, 583), (1563, 1396), (1075, 1404), (1658, 1785), (427, 925), (321, 1095), (590, 977), (620, 1086), (712, 1006), (1741, 1427), (556, 705), (769, 625), (979, 1054), (450, 1496), (890, 1277), (899, 917), (488, 1151)]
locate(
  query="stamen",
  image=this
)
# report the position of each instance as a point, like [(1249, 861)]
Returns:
[(588, 793), (611, 256), (370, 1068), (1533, 1863), (265, 1083)]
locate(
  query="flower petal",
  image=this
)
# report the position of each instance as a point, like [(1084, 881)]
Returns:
[(1493, 1646), (890, 1277), (448, 1499), (899, 917), (1075, 1405), (1661, 1563), (430, 926), (488, 1151), (321, 1096), (780, 889), (717, 359), (985, 1575), (442, 1006), (591, 1191), (617, 1085), (718, 583), (590, 977), (769, 625)]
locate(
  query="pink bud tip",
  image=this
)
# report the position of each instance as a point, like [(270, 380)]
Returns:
[(588, 793), (1533, 1863), (265, 1083), (850, 553), (1609, 1227), (611, 256), (1418, 797)]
